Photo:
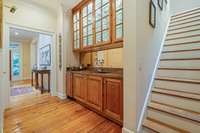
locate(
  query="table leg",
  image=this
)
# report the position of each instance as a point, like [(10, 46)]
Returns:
[(36, 80), (49, 82), (42, 86), (32, 79)]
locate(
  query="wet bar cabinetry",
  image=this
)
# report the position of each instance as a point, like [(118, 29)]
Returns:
[(97, 25), (102, 94)]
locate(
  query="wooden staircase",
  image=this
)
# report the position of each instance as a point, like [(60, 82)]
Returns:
[(174, 106)]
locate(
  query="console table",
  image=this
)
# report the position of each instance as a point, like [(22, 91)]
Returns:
[(41, 72)]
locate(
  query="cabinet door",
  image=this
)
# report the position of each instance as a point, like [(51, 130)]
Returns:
[(79, 87), (94, 92), (69, 84), (113, 98)]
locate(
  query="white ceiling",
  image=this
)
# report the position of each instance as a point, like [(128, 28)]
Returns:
[(17, 35), (53, 4)]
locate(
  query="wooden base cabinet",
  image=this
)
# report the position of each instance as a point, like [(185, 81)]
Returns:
[(113, 98), (69, 80), (103, 95), (80, 87), (94, 92)]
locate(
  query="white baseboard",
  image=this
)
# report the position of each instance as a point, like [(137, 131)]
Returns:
[(62, 96), (125, 130)]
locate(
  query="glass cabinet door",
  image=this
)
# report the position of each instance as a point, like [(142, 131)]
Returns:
[(102, 21), (118, 20), (76, 30), (87, 30)]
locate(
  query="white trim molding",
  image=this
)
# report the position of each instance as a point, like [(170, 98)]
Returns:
[(62, 96), (125, 130), (152, 79)]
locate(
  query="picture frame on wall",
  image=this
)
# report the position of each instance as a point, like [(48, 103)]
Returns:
[(160, 4), (152, 14), (45, 56)]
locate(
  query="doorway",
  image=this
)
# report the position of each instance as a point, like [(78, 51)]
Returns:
[(24, 55)]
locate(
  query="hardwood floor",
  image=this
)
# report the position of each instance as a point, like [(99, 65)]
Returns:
[(46, 114)]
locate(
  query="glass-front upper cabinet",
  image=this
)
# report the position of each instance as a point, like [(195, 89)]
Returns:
[(76, 30), (102, 21), (87, 26), (118, 20)]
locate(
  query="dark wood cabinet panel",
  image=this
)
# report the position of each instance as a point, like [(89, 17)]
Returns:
[(80, 87), (113, 98), (69, 89), (94, 92)]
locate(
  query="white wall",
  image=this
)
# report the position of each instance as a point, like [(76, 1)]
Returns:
[(182, 5), (30, 15), (60, 72), (129, 65), (68, 57), (142, 44), (33, 57), (1, 97)]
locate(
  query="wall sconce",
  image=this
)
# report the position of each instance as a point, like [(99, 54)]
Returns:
[(12, 8)]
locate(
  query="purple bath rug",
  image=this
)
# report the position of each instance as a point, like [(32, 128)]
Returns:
[(21, 90)]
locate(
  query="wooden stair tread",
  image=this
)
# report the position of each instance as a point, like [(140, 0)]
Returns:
[(177, 93), (185, 15), (159, 127), (185, 12), (174, 44), (175, 111), (181, 69), (175, 21), (189, 26), (176, 51), (179, 59), (182, 37), (172, 25), (192, 81), (181, 32)]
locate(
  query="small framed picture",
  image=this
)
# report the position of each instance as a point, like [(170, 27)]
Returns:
[(152, 14), (45, 55), (160, 4)]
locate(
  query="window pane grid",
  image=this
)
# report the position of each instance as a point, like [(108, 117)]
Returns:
[(76, 27), (102, 20), (118, 19), (87, 26)]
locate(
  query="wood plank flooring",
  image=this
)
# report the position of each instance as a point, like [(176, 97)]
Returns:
[(47, 114)]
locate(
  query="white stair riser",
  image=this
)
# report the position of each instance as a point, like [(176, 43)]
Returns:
[(181, 16), (193, 64), (177, 101), (174, 121), (182, 40), (183, 74), (184, 29), (183, 34), (184, 55), (182, 47), (178, 86), (182, 26), (146, 130), (185, 19)]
